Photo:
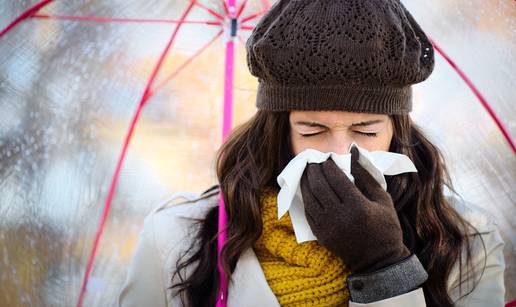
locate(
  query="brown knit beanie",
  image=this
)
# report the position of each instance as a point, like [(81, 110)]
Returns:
[(349, 55)]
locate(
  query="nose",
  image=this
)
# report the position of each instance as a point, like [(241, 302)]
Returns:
[(339, 143)]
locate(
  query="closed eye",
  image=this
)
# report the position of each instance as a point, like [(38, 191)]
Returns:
[(370, 134), (311, 134)]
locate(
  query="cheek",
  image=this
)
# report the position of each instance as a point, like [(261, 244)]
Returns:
[(298, 145), (382, 142)]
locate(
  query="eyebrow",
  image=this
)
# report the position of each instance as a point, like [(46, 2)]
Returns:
[(316, 124)]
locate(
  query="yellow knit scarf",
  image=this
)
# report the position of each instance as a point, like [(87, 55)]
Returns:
[(305, 274)]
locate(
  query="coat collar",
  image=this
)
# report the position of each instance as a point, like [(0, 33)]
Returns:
[(248, 281)]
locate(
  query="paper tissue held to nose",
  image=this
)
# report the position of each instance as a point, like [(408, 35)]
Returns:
[(377, 163)]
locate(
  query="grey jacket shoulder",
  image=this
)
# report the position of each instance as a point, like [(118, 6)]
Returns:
[(168, 233), (188, 204), (173, 222), (479, 217)]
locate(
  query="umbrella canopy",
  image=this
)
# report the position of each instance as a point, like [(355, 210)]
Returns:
[(109, 107)]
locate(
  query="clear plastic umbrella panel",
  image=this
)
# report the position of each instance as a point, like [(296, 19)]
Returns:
[(109, 107)]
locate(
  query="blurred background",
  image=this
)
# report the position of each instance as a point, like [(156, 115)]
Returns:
[(69, 88)]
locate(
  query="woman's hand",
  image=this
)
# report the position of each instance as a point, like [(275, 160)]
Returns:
[(357, 222)]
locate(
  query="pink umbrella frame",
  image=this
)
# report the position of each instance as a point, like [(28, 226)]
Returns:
[(230, 22)]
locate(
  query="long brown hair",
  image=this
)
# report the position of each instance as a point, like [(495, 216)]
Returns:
[(258, 150)]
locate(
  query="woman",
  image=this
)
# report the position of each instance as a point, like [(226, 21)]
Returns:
[(330, 73)]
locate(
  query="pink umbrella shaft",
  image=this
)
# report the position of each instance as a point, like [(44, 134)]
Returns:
[(226, 127)]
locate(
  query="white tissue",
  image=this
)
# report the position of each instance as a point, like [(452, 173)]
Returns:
[(377, 163)]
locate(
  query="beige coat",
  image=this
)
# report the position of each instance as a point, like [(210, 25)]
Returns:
[(166, 234)]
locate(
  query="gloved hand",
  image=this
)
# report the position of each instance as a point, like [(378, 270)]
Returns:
[(357, 222)]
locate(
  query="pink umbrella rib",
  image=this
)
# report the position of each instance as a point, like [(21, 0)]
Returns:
[(241, 8), (188, 61), (209, 10), (247, 27), (224, 5), (226, 9), (109, 19), (28, 13), (253, 16), (476, 92), (114, 181)]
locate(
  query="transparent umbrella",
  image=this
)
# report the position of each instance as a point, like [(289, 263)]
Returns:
[(106, 108)]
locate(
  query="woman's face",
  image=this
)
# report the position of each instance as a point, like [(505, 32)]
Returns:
[(334, 131)]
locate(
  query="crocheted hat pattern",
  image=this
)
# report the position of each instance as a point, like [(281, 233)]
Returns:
[(350, 55)]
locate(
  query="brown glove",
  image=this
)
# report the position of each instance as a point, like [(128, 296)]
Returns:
[(357, 222)]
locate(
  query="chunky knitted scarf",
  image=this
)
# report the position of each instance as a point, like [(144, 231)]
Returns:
[(305, 274)]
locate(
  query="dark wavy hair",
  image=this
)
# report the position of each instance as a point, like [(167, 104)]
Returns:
[(254, 155)]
